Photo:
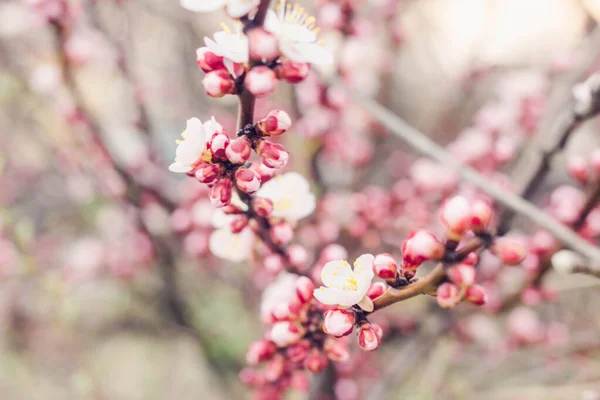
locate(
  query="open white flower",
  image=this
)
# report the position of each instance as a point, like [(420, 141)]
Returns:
[(231, 45), (346, 287), (296, 34), (291, 196), (190, 149), (235, 8), (223, 243)]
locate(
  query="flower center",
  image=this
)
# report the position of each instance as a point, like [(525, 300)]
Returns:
[(350, 283), (294, 14)]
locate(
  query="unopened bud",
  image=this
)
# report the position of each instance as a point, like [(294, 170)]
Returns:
[(275, 123), (297, 255), (285, 333), (448, 295), (476, 295), (282, 233), (385, 267), (259, 351), (376, 289), (275, 368), (207, 173), (260, 81), (462, 274), (293, 72), (316, 361), (579, 168), (455, 213), (263, 45), (239, 150), (481, 215), (208, 61), (220, 193), (336, 350), (247, 180), (368, 337), (509, 251), (218, 145), (273, 155), (262, 206), (420, 246), (304, 289), (298, 352), (339, 323), (238, 224), (218, 83)]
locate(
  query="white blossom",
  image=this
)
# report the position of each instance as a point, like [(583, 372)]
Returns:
[(234, 8), (296, 34), (190, 149), (345, 286), (291, 196), (231, 45), (223, 243)]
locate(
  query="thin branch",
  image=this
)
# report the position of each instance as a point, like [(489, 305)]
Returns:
[(426, 146)]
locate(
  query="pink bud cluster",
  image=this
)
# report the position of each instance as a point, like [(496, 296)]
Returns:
[(294, 341), (223, 164)]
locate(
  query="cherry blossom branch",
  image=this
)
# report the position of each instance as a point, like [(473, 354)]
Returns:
[(432, 280), (426, 146)]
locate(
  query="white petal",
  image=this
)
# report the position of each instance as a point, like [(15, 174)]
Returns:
[(272, 23), (190, 150), (297, 33), (335, 273), (230, 246), (239, 8), (211, 126), (313, 53), (332, 297), (194, 128), (230, 66), (363, 267), (180, 168), (202, 5)]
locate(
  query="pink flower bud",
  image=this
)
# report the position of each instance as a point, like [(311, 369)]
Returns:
[(579, 168), (251, 377), (275, 123), (208, 61), (263, 45), (180, 220), (476, 295), (481, 215), (238, 151), (207, 173), (336, 350), (247, 180), (218, 144), (259, 351), (316, 361), (218, 83), (455, 213), (220, 193), (376, 289), (297, 255), (448, 295), (304, 289), (273, 263), (282, 233), (262, 206), (266, 173), (260, 81), (339, 323), (595, 161), (273, 155), (471, 258), (368, 337), (275, 368), (285, 333), (293, 72), (385, 267), (462, 274), (333, 252), (420, 246), (298, 352), (509, 251), (238, 223)]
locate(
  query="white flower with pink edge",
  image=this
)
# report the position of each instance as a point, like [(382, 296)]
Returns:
[(291, 196)]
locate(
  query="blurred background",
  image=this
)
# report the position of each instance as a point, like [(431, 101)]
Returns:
[(108, 289)]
